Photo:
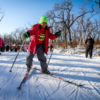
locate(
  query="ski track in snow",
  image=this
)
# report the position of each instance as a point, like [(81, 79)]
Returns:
[(72, 67)]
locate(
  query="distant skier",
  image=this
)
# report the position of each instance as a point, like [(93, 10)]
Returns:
[(1, 45), (7, 47), (39, 43), (18, 47), (25, 47), (51, 48), (89, 46), (15, 48), (11, 47)]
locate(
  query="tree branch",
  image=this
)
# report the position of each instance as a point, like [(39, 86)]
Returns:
[(92, 15), (94, 1), (1, 18), (81, 15)]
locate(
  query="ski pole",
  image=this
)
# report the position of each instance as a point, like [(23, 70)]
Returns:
[(53, 50), (16, 56), (52, 53)]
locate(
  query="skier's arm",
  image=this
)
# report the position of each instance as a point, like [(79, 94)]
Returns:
[(52, 36), (31, 31), (93, 41)]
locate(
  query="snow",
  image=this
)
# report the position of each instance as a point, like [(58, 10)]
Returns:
[(67, 64)]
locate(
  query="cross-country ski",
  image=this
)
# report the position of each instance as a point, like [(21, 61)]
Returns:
[(79, 85), (24, 79)]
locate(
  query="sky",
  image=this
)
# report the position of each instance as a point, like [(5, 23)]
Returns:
[(19, 13)]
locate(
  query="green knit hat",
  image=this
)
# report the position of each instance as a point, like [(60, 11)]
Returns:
[(43, 19)]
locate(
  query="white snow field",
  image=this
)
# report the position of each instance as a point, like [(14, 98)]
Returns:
[(38, 86)]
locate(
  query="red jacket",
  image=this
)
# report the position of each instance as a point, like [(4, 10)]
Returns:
[(35, 33), (1, 42)]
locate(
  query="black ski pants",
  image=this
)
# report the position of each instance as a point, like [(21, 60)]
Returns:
[(89, 51)]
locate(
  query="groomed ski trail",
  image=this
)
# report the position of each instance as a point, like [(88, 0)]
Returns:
[(38, 86)]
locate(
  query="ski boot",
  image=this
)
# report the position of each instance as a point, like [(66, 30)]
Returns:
[(28, 68), (46, 71)]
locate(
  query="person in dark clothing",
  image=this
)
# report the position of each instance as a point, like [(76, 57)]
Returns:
[(51, 48), (0, 50), (7, 47), (89, 46)]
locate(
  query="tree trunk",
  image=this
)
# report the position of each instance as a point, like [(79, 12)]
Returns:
[(69, 35)]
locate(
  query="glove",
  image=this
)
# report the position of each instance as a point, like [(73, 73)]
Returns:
[(26, 35), (58, 34)]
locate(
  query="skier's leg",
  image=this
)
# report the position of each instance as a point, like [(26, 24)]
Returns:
[(29, 59), (42, 58), (90, 53), (86, 53)]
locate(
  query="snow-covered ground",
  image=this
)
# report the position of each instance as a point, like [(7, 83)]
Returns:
[(38, 86)]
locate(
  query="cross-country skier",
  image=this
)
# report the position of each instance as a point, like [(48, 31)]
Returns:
[(1, 45), (7, 47), (39, 43), (89, 46)]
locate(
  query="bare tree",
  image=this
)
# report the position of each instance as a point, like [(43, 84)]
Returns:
[(62, 15), (96, 2)]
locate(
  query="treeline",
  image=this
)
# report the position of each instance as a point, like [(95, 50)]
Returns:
[(15, 37), (75, 25)]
